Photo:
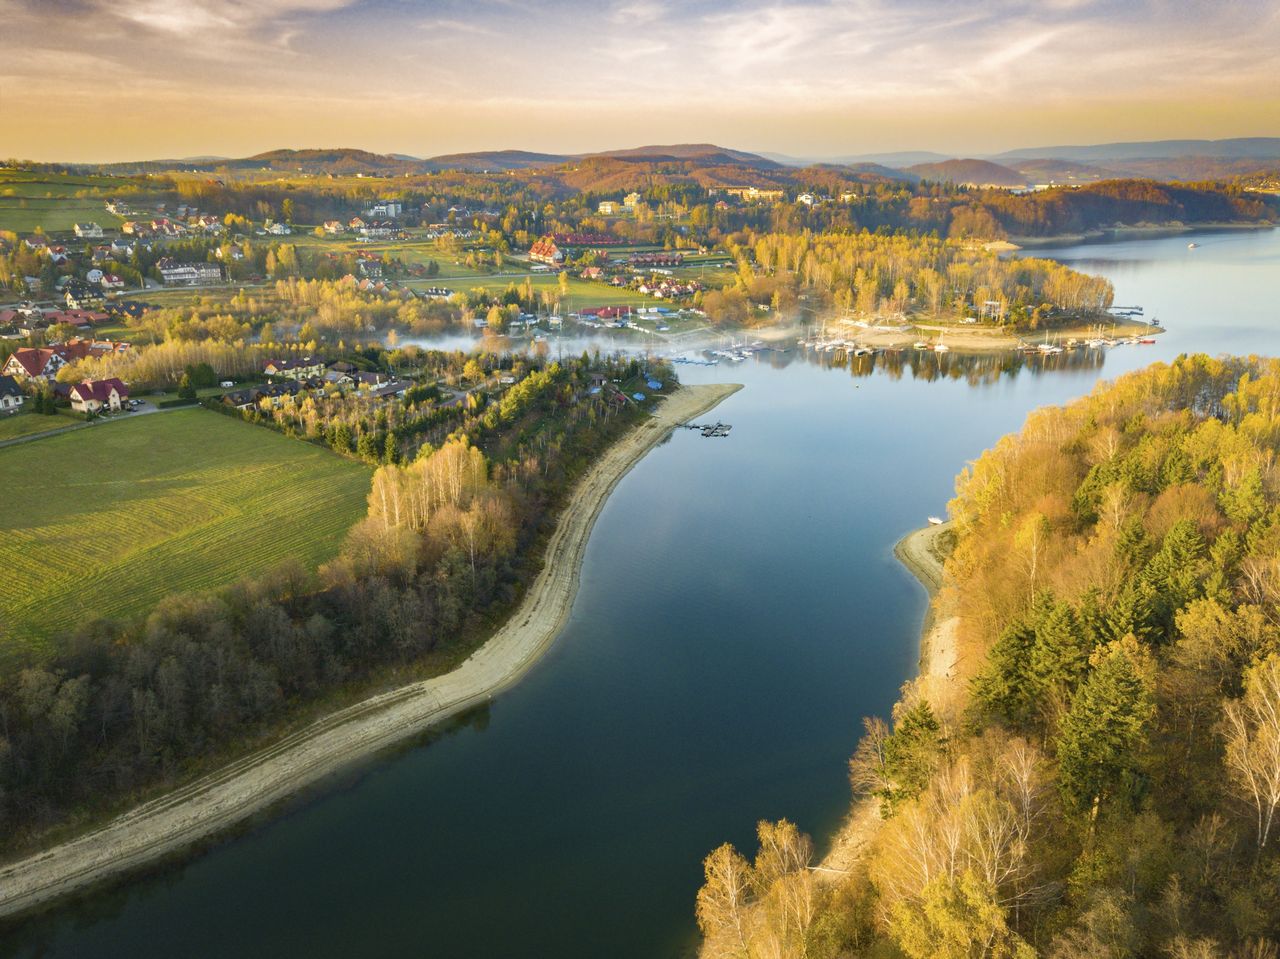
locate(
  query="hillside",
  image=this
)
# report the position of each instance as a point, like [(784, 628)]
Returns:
[(700, 152), (1060, 171), (971, 172), (495, 160), (1240, 147)]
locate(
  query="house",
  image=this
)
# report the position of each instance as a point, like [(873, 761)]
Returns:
[(334, 227), (279, 229), (753, 194), (111, 281), (630, 202), (82, 296), (546, 251), (656, 259), (11, 395), (34, 363), (370, 268), (295, 369), (808, 199), (174, 273), (92, 396), (88, 231), (361, 378), (609, 208), (37, 242), (386, 208), (355, 223)]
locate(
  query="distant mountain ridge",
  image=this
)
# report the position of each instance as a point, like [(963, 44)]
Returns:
[(969, 171), (1236, 147), (717, 165)]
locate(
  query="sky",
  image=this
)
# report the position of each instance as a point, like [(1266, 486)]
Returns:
[(103, 80)]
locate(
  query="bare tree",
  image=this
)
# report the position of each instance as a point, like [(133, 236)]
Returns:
[(1252, 728), (723, 900)]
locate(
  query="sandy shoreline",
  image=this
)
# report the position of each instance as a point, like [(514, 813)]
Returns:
[(939, 657), (230, 795)]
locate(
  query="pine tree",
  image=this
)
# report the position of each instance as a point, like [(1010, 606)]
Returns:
[(1102, 737)]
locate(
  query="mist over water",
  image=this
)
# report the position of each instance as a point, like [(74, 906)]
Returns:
[(740, 611)]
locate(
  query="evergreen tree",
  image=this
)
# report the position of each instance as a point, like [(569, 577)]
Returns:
[(1102, 737)]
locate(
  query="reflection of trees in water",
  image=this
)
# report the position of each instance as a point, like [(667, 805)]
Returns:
[(975, 368)]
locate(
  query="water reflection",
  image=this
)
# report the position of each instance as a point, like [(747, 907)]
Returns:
[(976, 369)]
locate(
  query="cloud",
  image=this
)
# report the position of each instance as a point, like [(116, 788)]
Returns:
[(695, 65)]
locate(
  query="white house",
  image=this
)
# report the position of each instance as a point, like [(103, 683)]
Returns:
[(11, 395)]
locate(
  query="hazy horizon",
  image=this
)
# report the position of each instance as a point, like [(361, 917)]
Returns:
[(140, 79)]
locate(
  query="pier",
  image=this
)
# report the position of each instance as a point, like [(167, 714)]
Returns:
[(719, 430)]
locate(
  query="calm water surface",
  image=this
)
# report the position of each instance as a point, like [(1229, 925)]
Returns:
[(740, 612)]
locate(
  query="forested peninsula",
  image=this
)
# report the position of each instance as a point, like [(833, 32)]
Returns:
[(1100, 775)]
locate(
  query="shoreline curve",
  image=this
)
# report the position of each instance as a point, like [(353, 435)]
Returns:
[(917, 551), (226, 797)]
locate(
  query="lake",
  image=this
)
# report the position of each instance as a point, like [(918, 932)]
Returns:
[(740, 612)]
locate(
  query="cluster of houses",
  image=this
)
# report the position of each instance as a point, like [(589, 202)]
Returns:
[(36, 366), (309, 375), (25, 321), (666, 288), (437, 231), (171, 229), (662, 258), (41, 363), (368, 230)]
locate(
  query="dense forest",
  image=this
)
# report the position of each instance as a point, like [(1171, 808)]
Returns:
[(127, 706), (894, 274), (1103, 778)]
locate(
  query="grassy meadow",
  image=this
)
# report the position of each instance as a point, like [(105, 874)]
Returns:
[(109, 520), (54, 202), (18, 425)]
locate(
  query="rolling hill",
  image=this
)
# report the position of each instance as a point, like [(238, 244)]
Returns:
[(974, 172)]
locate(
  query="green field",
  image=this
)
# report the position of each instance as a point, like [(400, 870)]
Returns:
[(111, 519), (28, 424), (53, 201)]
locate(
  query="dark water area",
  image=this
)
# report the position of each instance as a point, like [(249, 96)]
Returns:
[(740, 612)]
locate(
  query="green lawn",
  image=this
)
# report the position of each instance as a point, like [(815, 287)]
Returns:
[(111, 519), (53, 214), (26, 424)]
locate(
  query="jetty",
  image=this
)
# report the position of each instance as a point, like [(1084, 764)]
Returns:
[(709, 430)]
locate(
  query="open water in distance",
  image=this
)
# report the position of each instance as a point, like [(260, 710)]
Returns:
[(740, 612)]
